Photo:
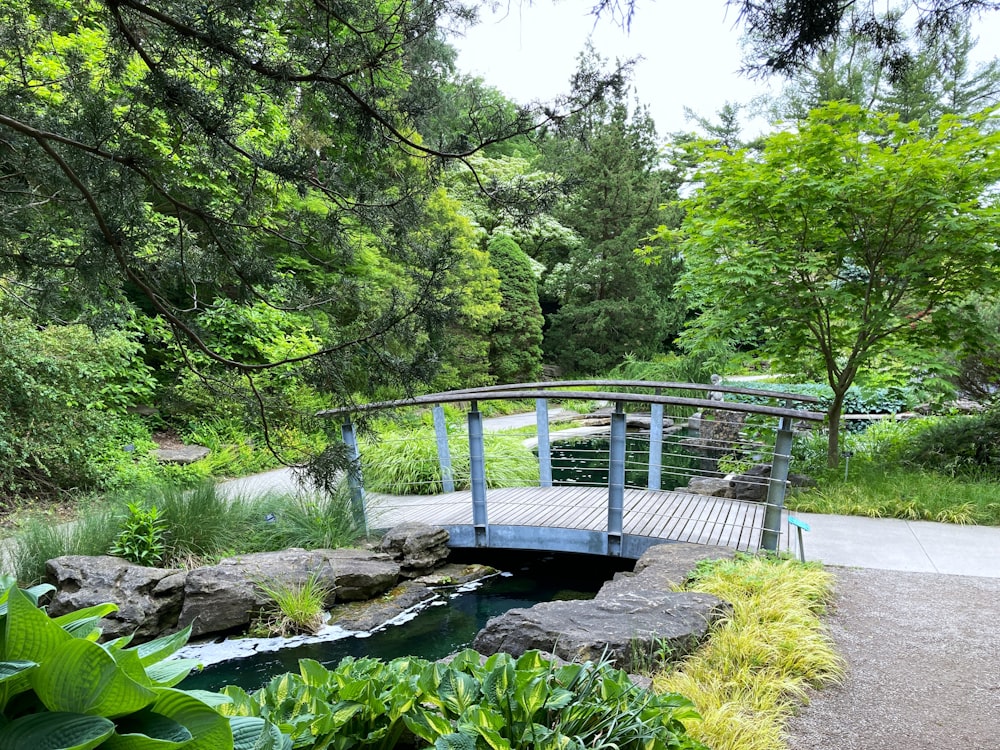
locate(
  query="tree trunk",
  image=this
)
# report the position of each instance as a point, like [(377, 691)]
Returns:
[(833, 421)]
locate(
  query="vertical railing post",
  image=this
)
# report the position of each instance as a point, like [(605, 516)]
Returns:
[(477, 466), (771, 534), (544, 448), (354, 479), (655, 445), (444, 453), (616, 480)]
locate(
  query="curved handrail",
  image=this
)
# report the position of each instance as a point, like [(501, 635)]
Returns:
[(642, 384), (501, 394)]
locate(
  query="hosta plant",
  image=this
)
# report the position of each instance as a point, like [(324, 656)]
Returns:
[(62, 690), (500, 704)]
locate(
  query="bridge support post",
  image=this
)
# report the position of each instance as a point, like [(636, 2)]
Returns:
[(616, 481), (655, 446), (771, 534), (477, 466), (544, 448), (354, 482), (444, 453)]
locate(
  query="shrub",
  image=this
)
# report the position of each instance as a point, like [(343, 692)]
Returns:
[(504, 702), (516, 338), (141, 537), (966, 445), (63, 392)]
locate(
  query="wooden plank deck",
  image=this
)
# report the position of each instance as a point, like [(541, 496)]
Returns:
[(662, 515)]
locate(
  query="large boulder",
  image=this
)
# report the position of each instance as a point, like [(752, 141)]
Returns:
[(418, 547), (634, 620), (630, 629), (149, 599), (226, 596)]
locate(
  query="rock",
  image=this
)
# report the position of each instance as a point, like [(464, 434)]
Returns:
[(751, 484), (187, 454), (224, 597), (627, 629), (149, 599), (634, 620), (711, 486), (417, 547), (371, 614)]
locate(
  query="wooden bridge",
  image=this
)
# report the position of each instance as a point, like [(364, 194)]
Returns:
[(612, 519)]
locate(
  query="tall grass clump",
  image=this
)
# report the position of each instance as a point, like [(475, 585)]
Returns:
[(754, 670), (293, 607), (40, 540), (406, 462), (310, 521)]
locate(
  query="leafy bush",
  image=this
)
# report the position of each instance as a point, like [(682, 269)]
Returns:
[(63, 392), (141, 537), (406, 463), (966, 445), (504, 703), (62, 689)]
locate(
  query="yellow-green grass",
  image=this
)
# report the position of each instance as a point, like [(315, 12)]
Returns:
[(753, 672), (880, 491), (294, 607)]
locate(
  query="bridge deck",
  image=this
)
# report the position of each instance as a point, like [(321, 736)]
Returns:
[(651, 514)]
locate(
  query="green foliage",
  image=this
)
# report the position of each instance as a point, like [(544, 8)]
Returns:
[(516, 338), (747, 679), (406, 462), (963, 445), (504, 703), (60, 688), (141, 539), (316, 521), (63, 393), (673, 368), (817, 274), (607, 302), (40, 539), (295, 607)]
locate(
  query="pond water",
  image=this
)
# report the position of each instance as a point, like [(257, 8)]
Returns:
[(585, 461), (439, 629)]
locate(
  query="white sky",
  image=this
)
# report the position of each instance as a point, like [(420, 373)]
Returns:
[(691, 52)]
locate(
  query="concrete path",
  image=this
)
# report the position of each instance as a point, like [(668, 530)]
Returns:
[(895, 544)]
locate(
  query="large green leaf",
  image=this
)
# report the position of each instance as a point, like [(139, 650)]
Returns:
[(170, 673), (14, 679), (82, 677), (160, 648), (55, 731), (455, 741), (148, 730), (30, 634), (458, 691), (210, 729), (250, 733)]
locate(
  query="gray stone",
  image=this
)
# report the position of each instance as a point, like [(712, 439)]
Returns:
[(187, 454), (149, 599), (629, 629), (634, 620), (224, 597), (711, 486), (750, 485), (418, 547)]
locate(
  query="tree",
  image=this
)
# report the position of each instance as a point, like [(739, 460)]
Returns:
[(516, 338), (786, 34), (609, 303), (841, 239)]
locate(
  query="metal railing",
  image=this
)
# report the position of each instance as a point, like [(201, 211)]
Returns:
[(729, 437)]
